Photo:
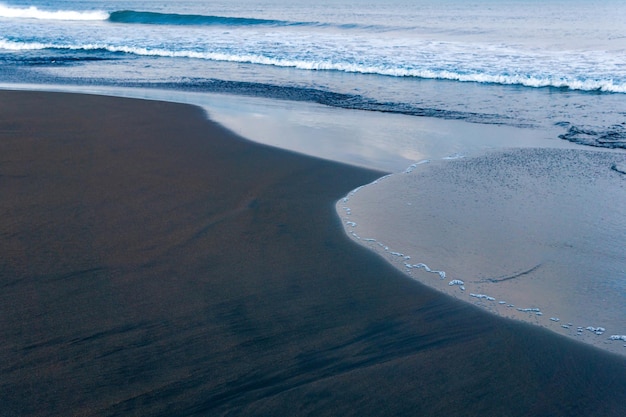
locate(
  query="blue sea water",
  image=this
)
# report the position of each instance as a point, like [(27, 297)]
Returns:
[(558, 64)]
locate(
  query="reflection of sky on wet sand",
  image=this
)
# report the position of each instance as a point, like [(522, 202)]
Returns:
[(388, 142), (540, 229)]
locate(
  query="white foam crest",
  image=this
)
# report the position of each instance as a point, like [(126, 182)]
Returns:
[(477, 76), (33, 12), (23, 46), (518, 79)]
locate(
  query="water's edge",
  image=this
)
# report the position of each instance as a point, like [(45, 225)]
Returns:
[(601, 336)]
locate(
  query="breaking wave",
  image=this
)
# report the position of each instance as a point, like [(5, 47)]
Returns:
[(138, 17), (317, 64), (33, 12), (152, 18)]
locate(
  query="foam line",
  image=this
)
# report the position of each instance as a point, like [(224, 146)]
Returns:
[(33, 12)]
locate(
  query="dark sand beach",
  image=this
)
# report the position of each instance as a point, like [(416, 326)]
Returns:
[(152, 263)]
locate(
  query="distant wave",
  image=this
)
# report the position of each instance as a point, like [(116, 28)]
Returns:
[(152, 18), (138, 17), (33, 12), (609, 85)]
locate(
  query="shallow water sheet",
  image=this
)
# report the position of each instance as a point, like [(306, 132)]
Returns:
[(532, 234)]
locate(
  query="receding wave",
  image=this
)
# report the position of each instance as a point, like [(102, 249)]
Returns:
[(613, 137), (33, 12), (152, 18), (136, 17), (329, 98), (594, 85)]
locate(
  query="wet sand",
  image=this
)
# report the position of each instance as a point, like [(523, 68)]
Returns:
[(152, 263), (531, 234)]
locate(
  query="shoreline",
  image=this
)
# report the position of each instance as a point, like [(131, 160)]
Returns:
[(155, 263), (366, 139), (539, 288)]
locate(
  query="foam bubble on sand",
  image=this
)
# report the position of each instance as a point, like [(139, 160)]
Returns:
[(484, 296), (529, 310), (442, 274), (539, 228), (596, 330)]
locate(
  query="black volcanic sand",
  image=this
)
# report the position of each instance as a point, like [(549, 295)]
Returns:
[(152, 263)]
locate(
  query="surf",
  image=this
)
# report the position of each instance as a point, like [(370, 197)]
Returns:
[(556, 81), (135, 17), (33, 12)]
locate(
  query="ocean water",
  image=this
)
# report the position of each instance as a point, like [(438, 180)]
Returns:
[(410, 74), (557, 65)]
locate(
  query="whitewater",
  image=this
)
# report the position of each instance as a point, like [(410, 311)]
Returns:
[(392, 51)]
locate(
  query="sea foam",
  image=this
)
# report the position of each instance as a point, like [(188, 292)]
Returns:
[(327, 58), (33, 12)]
